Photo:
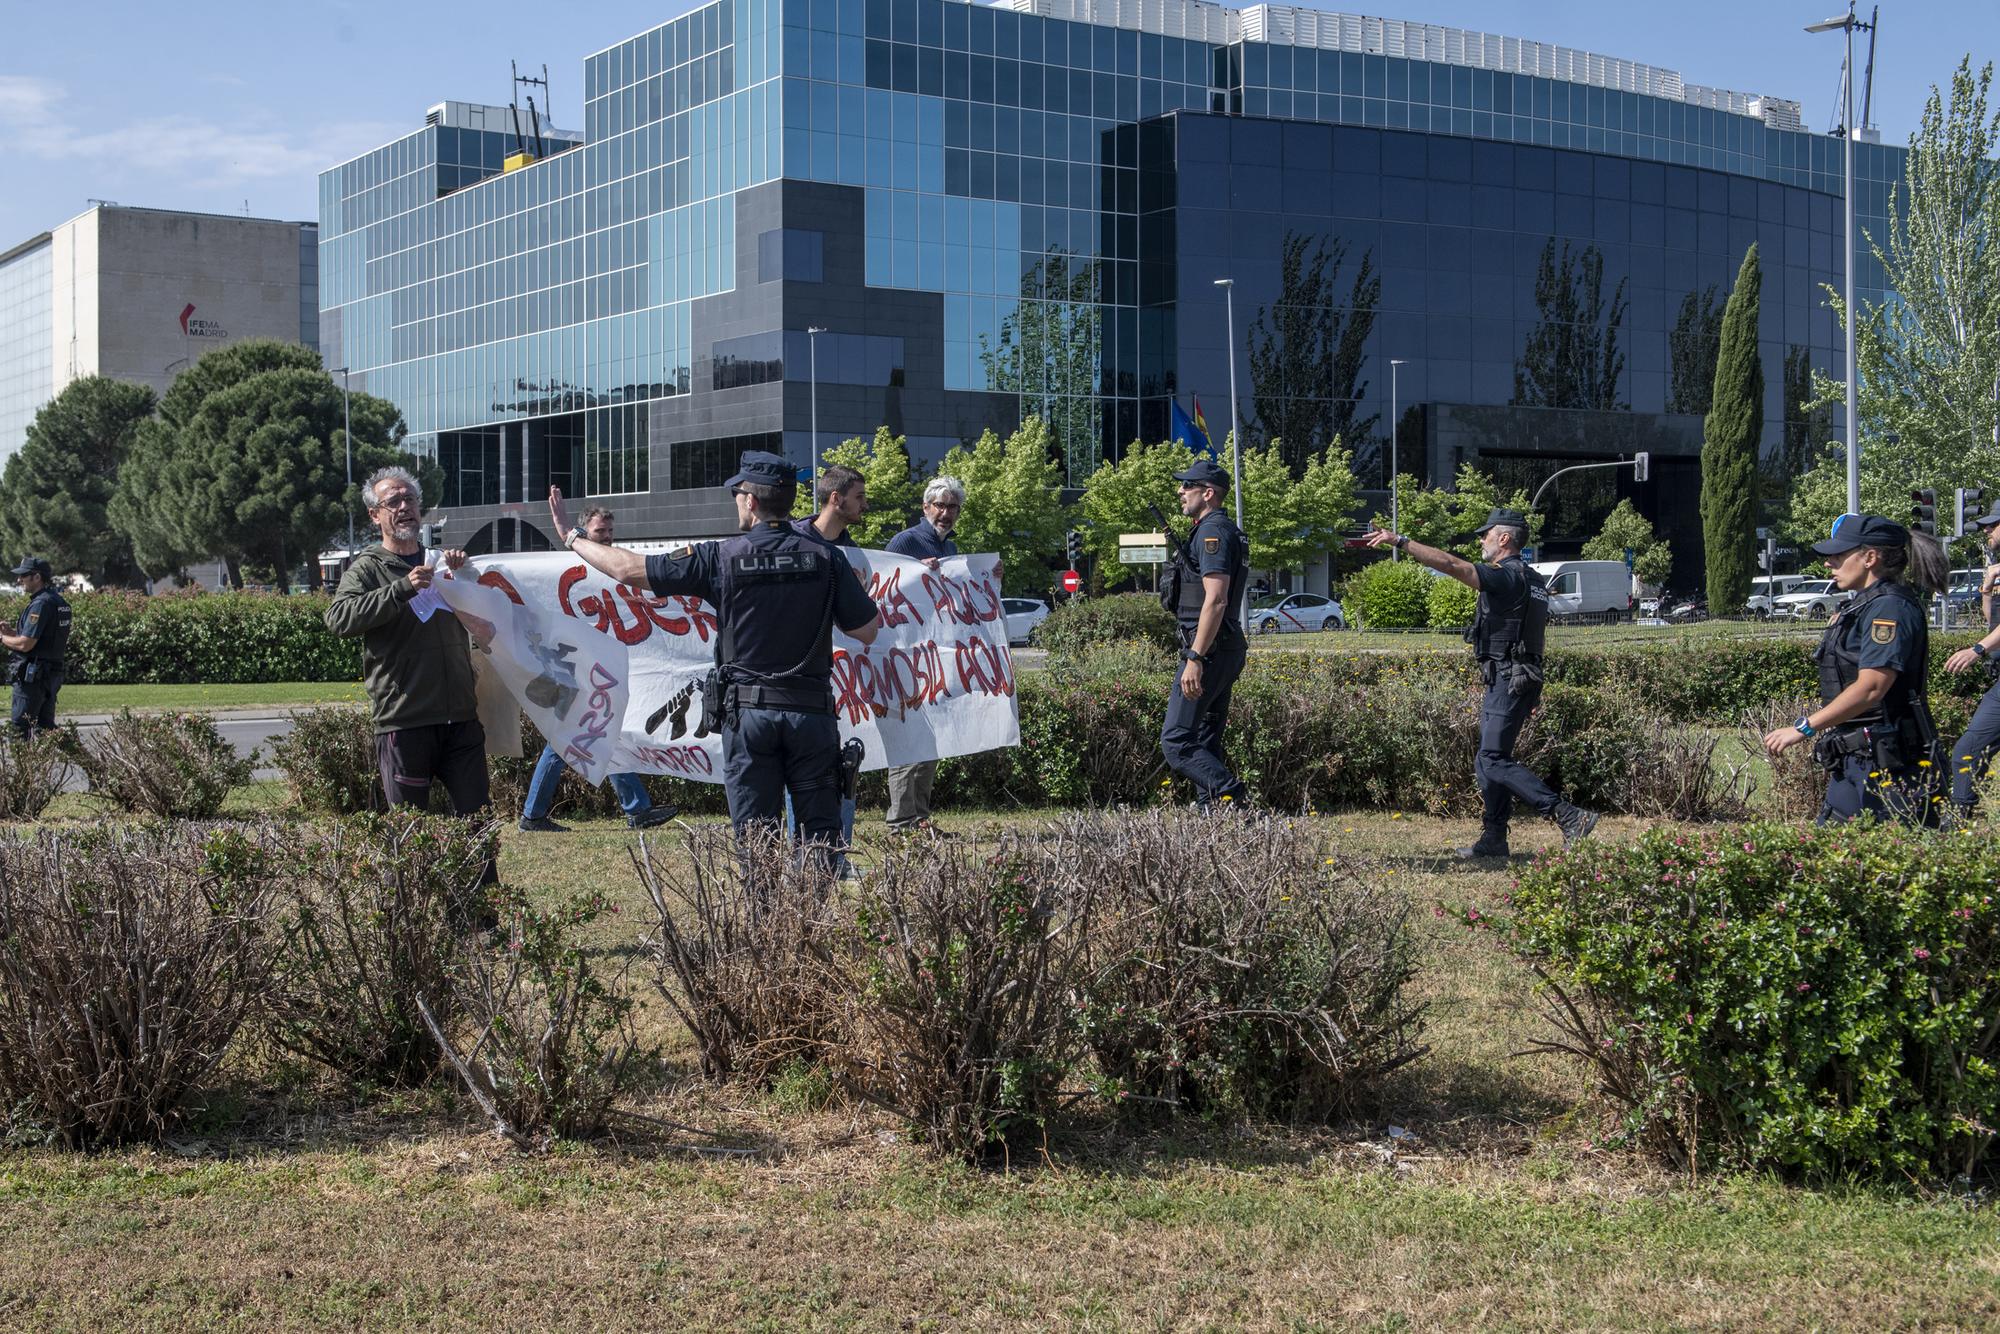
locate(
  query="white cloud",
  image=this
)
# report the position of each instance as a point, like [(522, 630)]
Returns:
[(39, 120)]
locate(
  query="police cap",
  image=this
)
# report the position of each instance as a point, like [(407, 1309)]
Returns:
[(1502, 518), (1203, 472), (762, 469), (35, 565), (1862, 530), (1990, 518)]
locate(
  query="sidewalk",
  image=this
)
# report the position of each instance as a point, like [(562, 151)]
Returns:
[(266, 713)]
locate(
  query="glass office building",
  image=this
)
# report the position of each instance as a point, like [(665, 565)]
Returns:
[(996, 210)]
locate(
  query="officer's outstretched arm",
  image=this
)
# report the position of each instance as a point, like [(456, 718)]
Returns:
[(626, 567), (1443, 562)]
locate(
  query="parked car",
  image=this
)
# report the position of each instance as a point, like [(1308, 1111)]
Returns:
[(1023, 615), (1768, 589), (1600, 589), (1812, 600), (1277, 613)]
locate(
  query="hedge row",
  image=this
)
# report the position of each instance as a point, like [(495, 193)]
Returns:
[(127, 638)]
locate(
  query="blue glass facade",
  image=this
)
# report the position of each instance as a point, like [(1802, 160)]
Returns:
[(995, 212)]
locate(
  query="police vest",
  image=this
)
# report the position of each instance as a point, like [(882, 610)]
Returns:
[(51, 630), (1840, 663), (1516, 632), (1184, 592), (774, 614)]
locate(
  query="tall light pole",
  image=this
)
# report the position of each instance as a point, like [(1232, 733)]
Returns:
[(347, 438), (1228, 286), (1848, 23), (1395, 514), (812, 362)]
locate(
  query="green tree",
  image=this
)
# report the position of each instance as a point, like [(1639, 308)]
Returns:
[(1572, 358), (1731, 433), (1307, 351), (227, 366), (895, 497), (55, 488), (1115, 497), (1051, 352), (1013, 502), (1691, 346), (1446, 519), (1625, 529), (1291, 520), (1929, 357)]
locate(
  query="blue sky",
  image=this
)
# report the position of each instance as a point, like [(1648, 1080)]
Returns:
[(210, 105)]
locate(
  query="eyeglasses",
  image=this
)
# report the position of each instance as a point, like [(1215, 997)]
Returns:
[(399, 500), (739, 490), (948, 506)]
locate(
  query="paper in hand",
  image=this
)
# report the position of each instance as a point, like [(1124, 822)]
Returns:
[(427, 603)]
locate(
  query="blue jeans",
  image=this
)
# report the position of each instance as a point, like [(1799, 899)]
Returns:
[(632, 794), (846, 819)]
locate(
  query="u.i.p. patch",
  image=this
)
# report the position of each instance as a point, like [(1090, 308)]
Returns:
[(1211, 545), (1882, 632)]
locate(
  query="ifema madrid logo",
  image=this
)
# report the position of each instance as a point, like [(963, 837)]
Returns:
[(195, 328)]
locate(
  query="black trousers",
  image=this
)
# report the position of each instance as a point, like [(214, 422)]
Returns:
[(1971, 753), (35, 700), (1503, 779), (767, 752), (413, 758), (1191, 736)]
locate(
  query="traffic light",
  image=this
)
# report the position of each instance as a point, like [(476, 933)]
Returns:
[(1966, 503), (1074, 547), (1642, 466), (1923, 514)]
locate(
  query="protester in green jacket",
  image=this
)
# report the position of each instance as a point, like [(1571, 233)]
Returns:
[(416, 658)]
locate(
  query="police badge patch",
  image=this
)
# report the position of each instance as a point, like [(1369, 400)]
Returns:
[(1882, 632), (1211, 545)]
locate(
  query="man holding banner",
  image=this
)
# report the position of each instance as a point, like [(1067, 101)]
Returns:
[(778, 595)]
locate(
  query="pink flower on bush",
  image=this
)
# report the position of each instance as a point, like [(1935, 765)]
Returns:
[(1921, 952), (1804, 987)]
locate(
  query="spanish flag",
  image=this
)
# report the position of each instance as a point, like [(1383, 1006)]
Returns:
[(1192, 431)]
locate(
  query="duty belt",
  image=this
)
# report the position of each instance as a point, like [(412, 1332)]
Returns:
[(800, 699)]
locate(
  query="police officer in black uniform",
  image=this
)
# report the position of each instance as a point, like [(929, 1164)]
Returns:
[(777, 595), (1973, 752), (1873, 729), (35, 652), (1507, 637), (1203, 589)]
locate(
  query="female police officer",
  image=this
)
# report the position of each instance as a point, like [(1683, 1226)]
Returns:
[(1873, 729)]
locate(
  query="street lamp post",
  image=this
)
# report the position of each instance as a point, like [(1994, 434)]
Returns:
[(1848, 23), (347, 439), (812, 362), (1395, 514), (1228, 286)]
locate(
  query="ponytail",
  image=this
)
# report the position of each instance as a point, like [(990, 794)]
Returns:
[(1922, 564)]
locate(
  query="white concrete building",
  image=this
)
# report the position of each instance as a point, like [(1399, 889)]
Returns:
[(139, 293)]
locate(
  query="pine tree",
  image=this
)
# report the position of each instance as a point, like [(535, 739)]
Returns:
[(1732, 432)]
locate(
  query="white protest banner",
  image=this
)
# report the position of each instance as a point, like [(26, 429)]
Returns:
[(591, 661)]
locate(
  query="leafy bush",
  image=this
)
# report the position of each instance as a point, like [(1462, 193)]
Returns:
[(1076, 627), (746, 973), (1389, 595), (121, 637), (553, 1042), (128, 959), (1450, 605), (173, 765), (33, 772), (1814, 1000), (329, 760), (1234, 969), (366, 917)]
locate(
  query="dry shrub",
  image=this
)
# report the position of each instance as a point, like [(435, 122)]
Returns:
[(1797, 788), (746, 973), (1235, 969), (128, 959), (172, 765), (33, 772), (329, 760), (553, 1041), (1682, 773), (367, 922), (960, 988)]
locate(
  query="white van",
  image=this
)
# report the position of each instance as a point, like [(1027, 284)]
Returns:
[(1766, 590), (1595, 588)]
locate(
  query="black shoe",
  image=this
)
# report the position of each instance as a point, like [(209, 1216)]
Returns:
[(651, 817), (1574, 821), (542, 824), (1484, 849)]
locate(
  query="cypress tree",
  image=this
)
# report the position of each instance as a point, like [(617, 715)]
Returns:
[(1731, 434)]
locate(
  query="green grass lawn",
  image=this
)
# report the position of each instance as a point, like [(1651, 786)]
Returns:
[(296, 1202), (139, 699)]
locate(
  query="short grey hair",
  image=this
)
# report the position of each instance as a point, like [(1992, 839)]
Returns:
[(1517, 535), (390, 474), (942, 486)]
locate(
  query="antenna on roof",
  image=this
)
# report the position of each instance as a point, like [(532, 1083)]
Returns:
[(523, 154), (1868, 79)]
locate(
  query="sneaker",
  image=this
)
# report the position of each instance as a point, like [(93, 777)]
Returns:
[(1483, 849), (652, 817), (1575, 823), (542, 824)]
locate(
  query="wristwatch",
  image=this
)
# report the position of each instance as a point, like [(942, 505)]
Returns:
[(1189, 655), (574, 535), (1980, 649), (1805, 727), (1400, 542)]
